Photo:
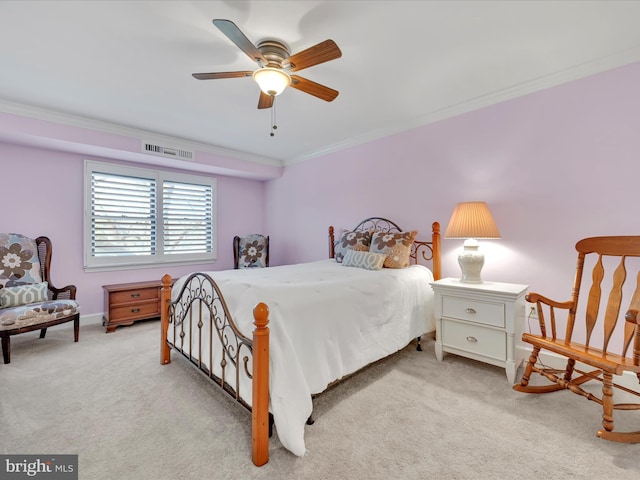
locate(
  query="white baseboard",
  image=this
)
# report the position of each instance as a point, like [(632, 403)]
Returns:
[(91, 319)]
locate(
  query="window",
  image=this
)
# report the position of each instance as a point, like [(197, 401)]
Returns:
[(136, 217)]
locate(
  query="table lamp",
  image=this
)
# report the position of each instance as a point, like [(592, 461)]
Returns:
[(471, 220)]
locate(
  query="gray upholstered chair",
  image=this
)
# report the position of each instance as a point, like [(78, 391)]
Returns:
[(28, 300), (251, 251)]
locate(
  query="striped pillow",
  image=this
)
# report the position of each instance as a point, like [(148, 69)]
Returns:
[(366, 260), (23, 294)]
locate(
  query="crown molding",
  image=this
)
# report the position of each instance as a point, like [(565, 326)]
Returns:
[(567, 75), (78, 121), (518, 90)]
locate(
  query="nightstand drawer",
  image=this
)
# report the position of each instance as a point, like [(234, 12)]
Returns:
[(475, 339), (134, 311), (135, 295), (485, 313)]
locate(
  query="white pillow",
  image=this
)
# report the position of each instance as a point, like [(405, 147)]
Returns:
[(366, 260)]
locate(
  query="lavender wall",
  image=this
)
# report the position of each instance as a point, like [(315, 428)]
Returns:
[(42, 193), (554, 167)]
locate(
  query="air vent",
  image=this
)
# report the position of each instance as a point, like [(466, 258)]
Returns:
[(170, 152)]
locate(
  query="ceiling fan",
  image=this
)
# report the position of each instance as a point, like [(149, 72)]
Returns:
[(276, 64)]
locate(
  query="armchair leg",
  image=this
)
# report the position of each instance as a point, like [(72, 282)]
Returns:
[(76, 329), (6, 349), (43, 332)]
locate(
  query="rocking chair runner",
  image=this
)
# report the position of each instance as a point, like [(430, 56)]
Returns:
[(596, 352)]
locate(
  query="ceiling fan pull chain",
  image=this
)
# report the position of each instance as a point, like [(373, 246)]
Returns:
[(273, 118)]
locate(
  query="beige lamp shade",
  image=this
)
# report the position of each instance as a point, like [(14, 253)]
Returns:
[(472, 220)]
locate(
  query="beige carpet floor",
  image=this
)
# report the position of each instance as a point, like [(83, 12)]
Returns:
[(108, 399)]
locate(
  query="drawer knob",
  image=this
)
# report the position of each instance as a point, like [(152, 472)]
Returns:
[(135, 310), (135, 295), (470, 311), (472, 339)]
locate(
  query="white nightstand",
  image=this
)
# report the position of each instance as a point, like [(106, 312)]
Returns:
[(482, 321)]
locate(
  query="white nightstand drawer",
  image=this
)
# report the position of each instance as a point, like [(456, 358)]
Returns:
[(473, 311), (475, 339), (483, 321)]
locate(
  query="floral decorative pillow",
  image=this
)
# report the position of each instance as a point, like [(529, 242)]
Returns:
[(366, 260), (252, 251), (349, 240), (396, 245), (19, 263)]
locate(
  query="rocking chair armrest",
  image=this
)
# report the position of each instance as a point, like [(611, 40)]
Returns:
[(67, 292), (536, 297), (632, 316), (551, 305)]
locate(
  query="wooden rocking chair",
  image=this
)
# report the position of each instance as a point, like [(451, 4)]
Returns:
[(595, 332)]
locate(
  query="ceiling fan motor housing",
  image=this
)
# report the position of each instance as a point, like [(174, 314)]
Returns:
[(274, 51)]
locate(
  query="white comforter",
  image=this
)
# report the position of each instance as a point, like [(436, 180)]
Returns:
[(326, 321)]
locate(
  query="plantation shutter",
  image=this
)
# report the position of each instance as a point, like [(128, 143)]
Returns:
[(187, 217), (123, 215)]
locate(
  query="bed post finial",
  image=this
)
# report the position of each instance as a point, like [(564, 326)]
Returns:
[(260, 383), (165, 299), (437, 251), (332, 243)]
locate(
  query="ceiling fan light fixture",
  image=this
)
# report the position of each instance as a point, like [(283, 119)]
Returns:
[(272, 81)]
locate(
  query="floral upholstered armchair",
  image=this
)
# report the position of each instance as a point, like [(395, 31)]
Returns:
[(251, 251), (28, 300)]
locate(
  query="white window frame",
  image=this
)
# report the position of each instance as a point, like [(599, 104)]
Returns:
[(123, 262)]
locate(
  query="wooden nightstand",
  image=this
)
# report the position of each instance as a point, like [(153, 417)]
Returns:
[(126, 303), (482, 321)]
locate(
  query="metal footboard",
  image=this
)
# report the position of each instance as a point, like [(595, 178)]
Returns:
[(204, 332)]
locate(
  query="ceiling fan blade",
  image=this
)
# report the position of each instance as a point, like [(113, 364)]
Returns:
[(320, 53), (265, 101), (234, 34), (313, 88), (214, 75)]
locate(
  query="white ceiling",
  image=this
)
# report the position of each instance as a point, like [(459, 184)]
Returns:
[(404, 64)]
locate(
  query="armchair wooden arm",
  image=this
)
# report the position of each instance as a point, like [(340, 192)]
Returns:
[(541, 301), (536, 297), (64, 293)]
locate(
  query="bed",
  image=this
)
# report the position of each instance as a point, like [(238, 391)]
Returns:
[(275, 337)]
